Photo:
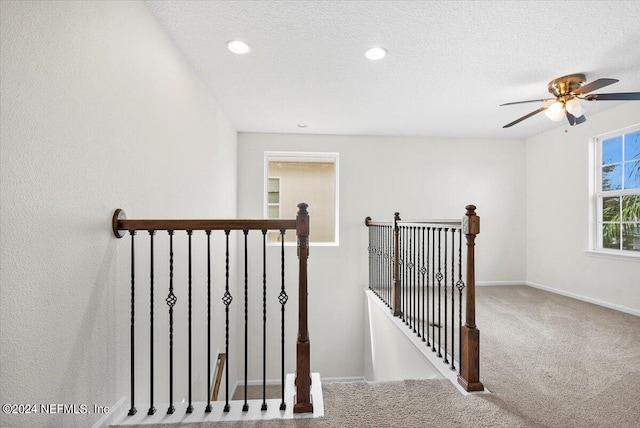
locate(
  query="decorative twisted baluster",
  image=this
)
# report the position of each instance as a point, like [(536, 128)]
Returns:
[(282, 298), (171, 301), (226, 299), (416, 288), (460, 286), (423, 271)]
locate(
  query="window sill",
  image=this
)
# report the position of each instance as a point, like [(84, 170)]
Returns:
[(616, 255)]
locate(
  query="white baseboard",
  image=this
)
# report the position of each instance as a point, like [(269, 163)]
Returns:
[(494, 283), (585, 299)]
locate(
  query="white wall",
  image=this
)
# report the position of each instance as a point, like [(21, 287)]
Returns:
[(558, 215), (98, 111), (420, 178)]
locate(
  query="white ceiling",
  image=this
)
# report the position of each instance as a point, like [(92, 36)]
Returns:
[(450, 63)]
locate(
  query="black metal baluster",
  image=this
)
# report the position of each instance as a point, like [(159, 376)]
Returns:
[(433, 290), (209, 378), (385, 276), (383, 271), (226, 299), (132, 410), (416, 273), (407, 279), (410, 278), (445, 360), (379, 282), (375, 259), (282, 298), (245, 407), (190, 406), (171, 301), (264, 320), (390, 260), (370, 258), (152, 409), (453, 299), (414, 280), (423, 270), (401, 271), (405, 312), (439, 278), (380, 265), (460, 285), (426, 334)]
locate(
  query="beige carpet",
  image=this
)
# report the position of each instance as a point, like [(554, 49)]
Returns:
[(550, 361)]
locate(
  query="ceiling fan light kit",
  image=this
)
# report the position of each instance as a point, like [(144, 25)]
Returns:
[(574, 107), (567, 91), (555, 111)]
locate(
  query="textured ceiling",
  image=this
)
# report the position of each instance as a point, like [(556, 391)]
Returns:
[(450, 63)]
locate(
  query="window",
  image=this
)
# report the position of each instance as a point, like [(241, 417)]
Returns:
[(291, 178), (617, 192)]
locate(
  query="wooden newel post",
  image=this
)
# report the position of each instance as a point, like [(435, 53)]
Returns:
[(469, 377), (303, 354), (397, 312)]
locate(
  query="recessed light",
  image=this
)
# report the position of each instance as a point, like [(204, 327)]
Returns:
[(376, 53), (238, 47), (302, 125)]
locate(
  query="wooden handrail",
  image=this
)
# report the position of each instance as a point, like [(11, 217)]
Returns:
[(121, 223), (438, 222), (369, 222)]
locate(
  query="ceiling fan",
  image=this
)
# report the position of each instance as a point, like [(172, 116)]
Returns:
[(567, 90)]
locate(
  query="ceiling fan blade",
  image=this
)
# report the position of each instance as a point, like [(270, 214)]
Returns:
[(573, 121), (596, 84), (526, 116), (621, 96), (543, 100)]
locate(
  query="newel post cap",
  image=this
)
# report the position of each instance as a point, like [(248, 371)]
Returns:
[(471, 222), (302, 208)]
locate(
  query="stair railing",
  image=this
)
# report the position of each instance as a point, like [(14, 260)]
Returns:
[(121, 225), (416, 269)]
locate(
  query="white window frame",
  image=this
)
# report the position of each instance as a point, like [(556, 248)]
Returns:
[(305, 157), (596, 193)]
